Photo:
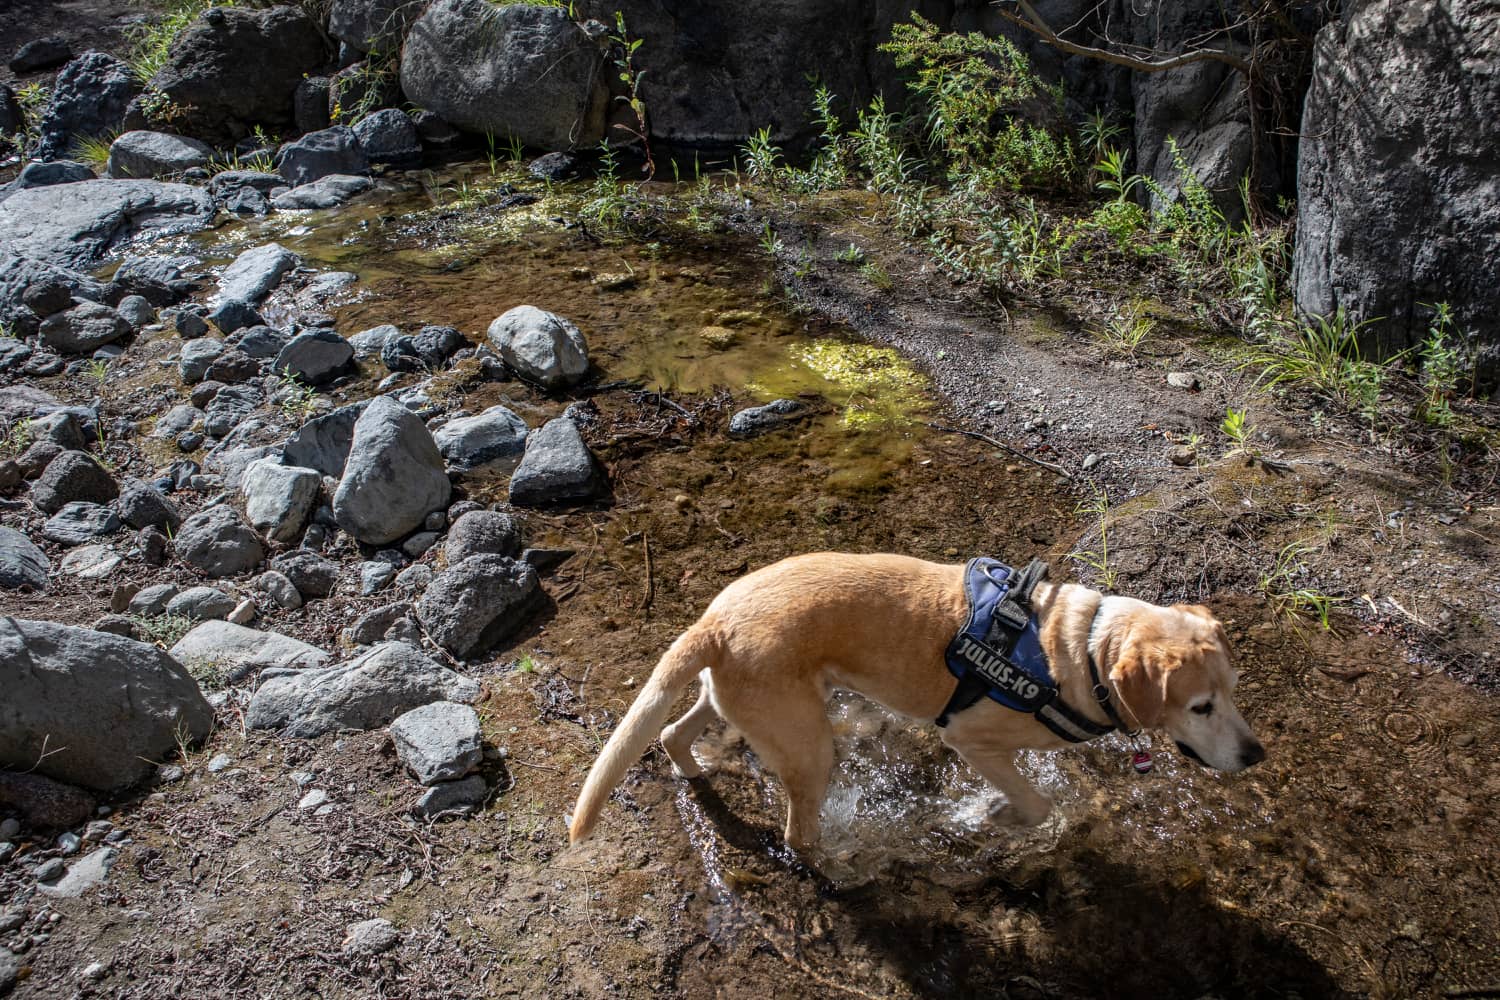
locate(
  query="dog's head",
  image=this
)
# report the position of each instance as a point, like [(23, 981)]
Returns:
[(1172, 671)]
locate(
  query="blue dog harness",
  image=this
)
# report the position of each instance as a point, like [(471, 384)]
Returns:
[(998, 654)]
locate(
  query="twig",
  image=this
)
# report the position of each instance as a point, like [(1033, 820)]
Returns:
[(1032, 22), (650, 574), (1057, 469), (539, 767)]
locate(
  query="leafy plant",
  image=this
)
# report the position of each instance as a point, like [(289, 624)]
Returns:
[(1127, 328), (1291, 598), (163, 630), (761, 156), (1324, 356), (876, 276), (18, 437), (1441, 366), (625, 48), (298, 402), (850, 255), (1098, 559)]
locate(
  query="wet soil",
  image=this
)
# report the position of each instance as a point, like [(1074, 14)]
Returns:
[(1358, 860)]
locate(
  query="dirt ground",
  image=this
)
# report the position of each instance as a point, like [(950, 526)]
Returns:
[(1358, 860)]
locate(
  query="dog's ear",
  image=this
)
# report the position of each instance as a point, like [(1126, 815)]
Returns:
[(1140, 680), (1196, 609)]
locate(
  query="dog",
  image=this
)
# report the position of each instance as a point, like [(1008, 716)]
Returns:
[(774, 644)]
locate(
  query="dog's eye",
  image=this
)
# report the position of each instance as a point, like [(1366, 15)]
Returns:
[(1207, 708)]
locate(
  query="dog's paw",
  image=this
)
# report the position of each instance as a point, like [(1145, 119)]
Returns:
[(1011, 815), (689, 772)]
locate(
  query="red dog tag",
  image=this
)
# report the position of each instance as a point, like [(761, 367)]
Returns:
[(1141, 761)]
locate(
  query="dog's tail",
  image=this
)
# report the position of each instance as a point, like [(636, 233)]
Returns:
[(694, 649)]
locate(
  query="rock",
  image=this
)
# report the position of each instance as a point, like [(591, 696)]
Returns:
[(103, 705), (37, 174), (43, 802), (389, 137), (18, 274), (230, 462), (189, 325), (153, 545), (453, 795), (326, 192), (260, 342), (312, 574), (218, 542), (232, 315), (524, 71), (62, 428), (79, 522), (372, 25), (757, 420), (322, 288), (316, 358), (233, 366), (323, 443), (470, 443), (438, 742), (196, 358), (260, 181), (419, 543), (147, 154), (473, 605), (279, 587), (1182, 454), (35, 459), (371, 937), (334, 150), (39, 54), (372, 626), (554, 167), (51, 870), (230, 406), (393, 477), (148, 602), (238, 652), (556, 468), (543, 560), (243, 613), (22, 564), (369, 343), (235, 67), (279, 498), (83, 328), (202, 604), (540, 346), (75, 225), (91, 562), (72, 475), (1396, 200), (482, 532), (374, 576), (13, 353), (136, 310), (430, 349), (87, 873), (120, 625), (310, 104), (1183, 380), (48, 296), (366, 692), (414, 578), (313, 799), (435, 133), (141, 504), (88, 100)]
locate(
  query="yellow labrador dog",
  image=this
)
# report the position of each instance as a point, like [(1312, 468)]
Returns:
[(773, 645)]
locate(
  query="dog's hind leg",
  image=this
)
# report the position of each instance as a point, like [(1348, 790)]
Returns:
[(791, 734), (678, 738)]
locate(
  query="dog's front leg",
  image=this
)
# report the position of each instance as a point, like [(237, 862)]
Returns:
[(1024, 805)]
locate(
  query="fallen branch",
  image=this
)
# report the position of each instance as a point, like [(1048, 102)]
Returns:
[(1057, 469), (1033, 22)]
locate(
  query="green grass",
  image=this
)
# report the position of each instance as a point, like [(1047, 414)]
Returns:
[(93, 151), (152, 42), (1290, 598), (1323, 356), (1127, 329)]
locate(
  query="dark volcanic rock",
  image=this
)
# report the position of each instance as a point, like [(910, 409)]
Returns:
[(557, 468), (82, 329), (147, 154), (470, 607), (75, 225), (318, 154), (394, 475), (88, 100), (389, 137), (71, 476), (22, 564), (218, 542), (39, 54)]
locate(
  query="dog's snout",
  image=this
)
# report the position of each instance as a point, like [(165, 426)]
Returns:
[(1252, 754)]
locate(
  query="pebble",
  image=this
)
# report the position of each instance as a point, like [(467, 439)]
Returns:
[(1464, 740), (1182, 380), (95, 971), (313, 799), (219, 763), (243, 613), (50, 870), (1090, 460), (168, 773), (371, 936), (69, 843), (302, 778)]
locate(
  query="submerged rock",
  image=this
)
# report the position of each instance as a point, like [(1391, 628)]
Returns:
[(253, 274), (325, 192), (756, 420)]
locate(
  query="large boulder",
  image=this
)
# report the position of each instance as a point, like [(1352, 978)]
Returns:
[(83, 329), (316, 358), (334, 150), (235, 652), (1397, 203), (470, 607), (520, 70), (470, 443), (234, 68), (279, 498), (218, 542), (368, 691), (557, 468), (89, 708), (540, 346), (75, 225), (252, 275), (147, 154), (73, 475), (22, 564), (88, 100), (393, 477), (372, 25), (389, 137)]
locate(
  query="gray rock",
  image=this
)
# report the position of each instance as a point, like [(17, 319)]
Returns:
[(373, 576), (419, 543), (482, 68), (153, 544), (141, 504), (372, 25), (310, 105), (88, 100), (87, 873), (473, 605), (91, 562), (231, 462), (278, 498), (235, 67), (75, 225), (233, 366), (371, 937), (196, 357), (38, 174), (72, 475), (82, 329), (189, 325), (463, 796), (366, 692), (279, 587), (202, 604), (148, 602), (254, 273), (557, 468), (543, 560), (42, 802), (540, 346), (238, 651), (22, 564), (491, 437), (393, 478), (313, 575), (13, 353), (79, 522), (325, 192), (756, 420), (316, 358), (232, 315), (89, 708), (438, 742), (430, 349), (136, 310), (39, 54), (369, 343), (323, 288), (19, 273), (373, 626), (221, 184), (62, 428), (323, 443), (553, 167), (218, 542), (334, 150), (482, 532), (229, 408), (1397, 203), (147, 154), (389, 137), (414, 578), (261, 342)]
